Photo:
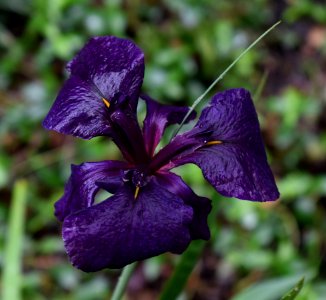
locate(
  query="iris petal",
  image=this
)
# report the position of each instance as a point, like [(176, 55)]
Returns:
[(122, 229), (79, 111), (105, 67), (81, 187), (235, 171), (201, 205), (238, 166), (158, 117), (128, 136)]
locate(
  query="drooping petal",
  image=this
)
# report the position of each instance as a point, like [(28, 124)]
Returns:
[(105, 67), (123, 229), (231, 117), (235, 171), (236, 167), (158, 117), (85, 181), (201, 205), (112, 64)]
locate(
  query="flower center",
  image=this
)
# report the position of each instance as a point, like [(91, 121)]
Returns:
[(138, 178)]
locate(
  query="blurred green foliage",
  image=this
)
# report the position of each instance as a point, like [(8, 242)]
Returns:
[(187, 44)]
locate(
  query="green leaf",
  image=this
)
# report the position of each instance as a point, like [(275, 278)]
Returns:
[(294, 292), (270, 289), (11, 277)]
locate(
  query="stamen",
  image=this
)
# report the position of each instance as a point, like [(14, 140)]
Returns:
[(213, 143), (106, 102), (136, 191)]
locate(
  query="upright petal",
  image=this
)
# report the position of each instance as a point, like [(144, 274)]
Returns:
[(158, 117), (201, 205), (169, 156), (105, 68), (232, 157), (128, 136), (122, 229), (84, 182)]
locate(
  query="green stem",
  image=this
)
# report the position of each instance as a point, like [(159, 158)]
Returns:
[(183, 270), (201, 97), (122, 282), (11, 277), (189, 259)]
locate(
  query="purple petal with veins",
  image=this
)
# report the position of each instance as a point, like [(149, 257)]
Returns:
[(82, 185), (103, 70), (232, 156), (122, 230), (158, 117)]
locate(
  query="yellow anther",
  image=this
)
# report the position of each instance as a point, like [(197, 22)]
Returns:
[(106, 102), (213, 143), (136, 191)]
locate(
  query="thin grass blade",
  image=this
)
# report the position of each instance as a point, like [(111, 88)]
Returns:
[(219, 78), (12, 269)]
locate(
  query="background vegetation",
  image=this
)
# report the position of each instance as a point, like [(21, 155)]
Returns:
[(187, 43)]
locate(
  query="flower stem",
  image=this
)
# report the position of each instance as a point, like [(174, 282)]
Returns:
[(219, 78), (122, 282), (178, 280)]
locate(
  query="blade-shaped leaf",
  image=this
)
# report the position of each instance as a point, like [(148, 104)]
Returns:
[(270, 289), (11, 277), (294, 292)]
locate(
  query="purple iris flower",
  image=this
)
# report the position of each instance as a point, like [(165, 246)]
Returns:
[(152, 210)]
